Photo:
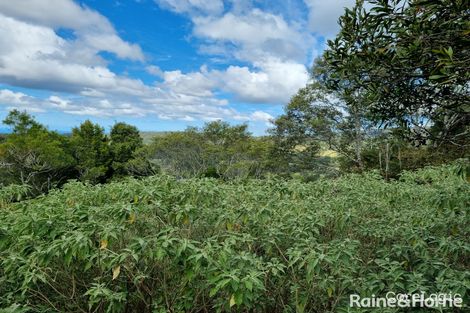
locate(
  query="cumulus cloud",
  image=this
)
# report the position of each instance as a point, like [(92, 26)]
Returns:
[(255, 34), (256, 27), (12, 99), (274, 50), (193, 6), (271, 53), (167, 106), (275, 82), (91, 28), (35, 56), (197, 84), (324, 15), (261, 116), (154, 70)]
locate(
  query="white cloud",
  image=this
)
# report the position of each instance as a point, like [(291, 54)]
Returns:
[(154, 70), (19, 100), (256, 27), (275, 51), (92, 29), (256, 35), (323, 15), (45, 12), (8, 96), (59, 103), (165, 105), (261, 116), (35, 56), (275, 82), (192, 84), (270, 51), (272, 81), (193, 6)]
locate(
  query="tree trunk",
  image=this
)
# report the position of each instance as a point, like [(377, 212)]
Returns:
[(358, 139)]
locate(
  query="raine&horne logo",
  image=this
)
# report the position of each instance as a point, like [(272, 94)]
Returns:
[(403, 300)]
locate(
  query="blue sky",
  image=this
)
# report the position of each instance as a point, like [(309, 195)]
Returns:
[(159, 64)]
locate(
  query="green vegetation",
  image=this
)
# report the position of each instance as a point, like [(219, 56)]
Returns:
[(361, 187), (407, 64), (32, 154), (199, 245), (217, 150), (391, 91), (42, 159)]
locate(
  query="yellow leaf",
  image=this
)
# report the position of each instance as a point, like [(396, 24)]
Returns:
[(131, 219), (136, 199), (103, 244), (186, 220), (232, 301), (229, 226), (116, 271), (330, 292)]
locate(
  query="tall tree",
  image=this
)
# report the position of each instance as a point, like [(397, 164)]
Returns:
[(90, 148), (411, 57), (316, 118), (125, 140)]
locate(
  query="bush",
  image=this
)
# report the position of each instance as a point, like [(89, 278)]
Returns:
[(166, 245)]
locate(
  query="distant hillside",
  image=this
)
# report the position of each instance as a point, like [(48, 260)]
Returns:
[(149, 135)]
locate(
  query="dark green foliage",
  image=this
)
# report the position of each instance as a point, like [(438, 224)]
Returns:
[(13, 193), (201, 245), (391, 155), (391, 91), (90, 148), (21, 122), (125, 140), (411, 60), (3, 138), (179, 154), (33, 155), (140, 165), (220, 133)]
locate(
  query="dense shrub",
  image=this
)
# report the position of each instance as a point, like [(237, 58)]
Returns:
[(199, 245)]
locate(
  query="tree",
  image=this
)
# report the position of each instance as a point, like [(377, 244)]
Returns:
[(21, 122), (221, 133), (89, 146), (410, 59), (32, 155), (316, 118), (125, 140), (217, 150), (179, 153), (226, 148)]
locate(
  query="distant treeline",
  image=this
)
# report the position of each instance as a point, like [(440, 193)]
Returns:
[(42, 159), (391, 93)]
